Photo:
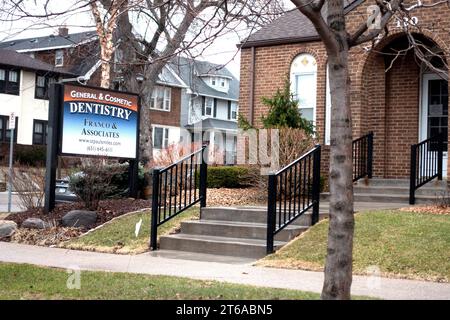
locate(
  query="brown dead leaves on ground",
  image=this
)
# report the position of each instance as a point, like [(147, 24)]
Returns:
[(428, 209), (223, 197)]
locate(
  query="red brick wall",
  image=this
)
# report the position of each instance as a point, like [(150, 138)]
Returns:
[(387, 103), (171, 118), (402, 115)]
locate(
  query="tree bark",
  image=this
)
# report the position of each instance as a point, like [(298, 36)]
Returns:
[(338, 266)]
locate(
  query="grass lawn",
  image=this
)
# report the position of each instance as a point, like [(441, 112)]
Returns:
[(21, 281), (118, 236), (400, 244)]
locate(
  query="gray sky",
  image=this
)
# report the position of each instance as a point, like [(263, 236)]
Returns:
[(223, 50)]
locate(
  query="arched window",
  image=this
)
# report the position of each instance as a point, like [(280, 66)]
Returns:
[(303, 78)]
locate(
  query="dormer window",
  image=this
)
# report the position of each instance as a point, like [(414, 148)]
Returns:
[(219, 83), (59, 58)]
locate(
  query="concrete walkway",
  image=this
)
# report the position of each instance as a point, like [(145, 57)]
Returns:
[(15, 207), (243, 273)]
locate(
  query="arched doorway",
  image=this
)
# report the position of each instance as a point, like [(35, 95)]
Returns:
[(397, 90)]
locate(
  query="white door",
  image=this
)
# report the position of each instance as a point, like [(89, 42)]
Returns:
[(434, 112)]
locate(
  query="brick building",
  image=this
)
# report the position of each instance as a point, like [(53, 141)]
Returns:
[(396, 96)]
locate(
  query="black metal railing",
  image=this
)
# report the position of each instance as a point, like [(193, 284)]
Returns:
[(292, 191), (362, 149), (426, 163), (177, 188)]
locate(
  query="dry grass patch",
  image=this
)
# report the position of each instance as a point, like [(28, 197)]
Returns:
[(118, 235), (401, 244)]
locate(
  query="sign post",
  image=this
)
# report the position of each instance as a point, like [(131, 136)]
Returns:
[(88, 121), (53, 133), (11, 126)]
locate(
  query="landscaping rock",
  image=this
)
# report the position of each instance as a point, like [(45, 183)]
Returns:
[(79, 218), (35, 223), (7, 228)]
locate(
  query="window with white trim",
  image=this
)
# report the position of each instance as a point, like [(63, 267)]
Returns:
[(209, 104), (161, 98), (303, 79), (160, 137), (233, 110), (59, 58)]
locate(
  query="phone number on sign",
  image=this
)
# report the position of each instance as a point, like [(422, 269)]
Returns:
[(98, 149)]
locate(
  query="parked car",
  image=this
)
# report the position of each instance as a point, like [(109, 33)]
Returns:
[(62, 192)]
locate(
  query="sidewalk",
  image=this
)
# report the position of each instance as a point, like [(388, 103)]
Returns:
[(243, 273), (15, 207)]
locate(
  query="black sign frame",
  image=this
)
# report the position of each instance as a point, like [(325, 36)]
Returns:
[(54, 143)]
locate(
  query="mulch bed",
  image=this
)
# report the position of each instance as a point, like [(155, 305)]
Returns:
[(235, 197), (430, 209), (108, 210)]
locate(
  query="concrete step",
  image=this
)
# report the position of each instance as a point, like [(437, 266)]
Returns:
[(400, 190), (251, 214), (237, 247), (237, 229), (387, 198), (398, 182)]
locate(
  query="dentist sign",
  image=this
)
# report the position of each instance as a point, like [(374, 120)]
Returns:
[(99, 122)]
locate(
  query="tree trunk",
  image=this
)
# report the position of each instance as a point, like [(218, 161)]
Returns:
[(338, 266)]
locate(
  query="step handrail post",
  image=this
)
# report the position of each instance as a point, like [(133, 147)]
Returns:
[(440, 155), (316, 185), (412, 174), (155, 209), (271, 211), (370, 155), (203, 176)]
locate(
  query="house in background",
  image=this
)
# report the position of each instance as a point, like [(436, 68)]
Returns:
[(24, 92), (188, 93), (76, 56), (209, 105)]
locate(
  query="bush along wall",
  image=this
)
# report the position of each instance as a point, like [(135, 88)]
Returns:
[(227, 177), (31, 155)]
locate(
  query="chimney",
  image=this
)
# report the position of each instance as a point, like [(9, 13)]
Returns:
[(63, 31)]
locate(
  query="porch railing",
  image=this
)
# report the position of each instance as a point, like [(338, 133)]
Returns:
[(292, 191), (175, 189), (426, 163), (362, 149)]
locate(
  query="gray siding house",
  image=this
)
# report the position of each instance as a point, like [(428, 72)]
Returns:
[(209, 105)]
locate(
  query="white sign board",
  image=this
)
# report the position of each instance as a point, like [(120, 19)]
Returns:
[(12, 121), (99, 122)]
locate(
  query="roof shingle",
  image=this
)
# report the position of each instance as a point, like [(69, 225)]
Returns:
[(14, 59), (52, 41), (293, 26)]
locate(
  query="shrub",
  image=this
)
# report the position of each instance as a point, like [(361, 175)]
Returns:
[(121, 183), (227, 177), (30, 155), (29, 184), (284, 111), (94, 182)]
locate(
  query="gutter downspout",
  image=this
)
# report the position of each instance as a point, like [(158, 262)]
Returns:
[(252, 85)]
